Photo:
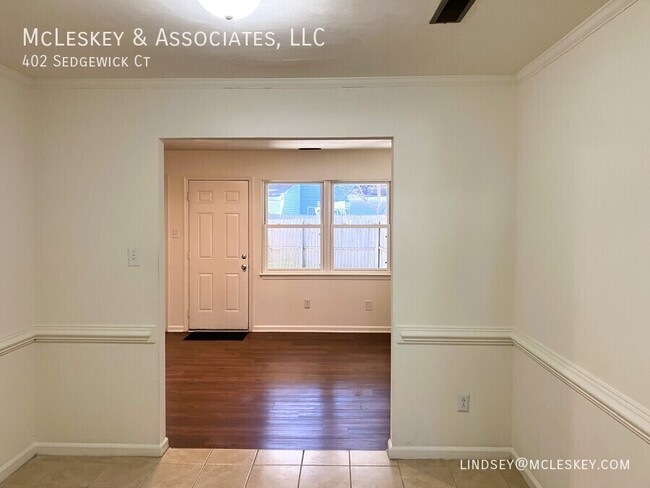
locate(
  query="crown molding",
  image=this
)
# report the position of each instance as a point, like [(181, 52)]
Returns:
[(592, 24), (11, 75), (274, 83)]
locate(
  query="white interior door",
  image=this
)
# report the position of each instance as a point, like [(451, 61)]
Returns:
[(218, 255)]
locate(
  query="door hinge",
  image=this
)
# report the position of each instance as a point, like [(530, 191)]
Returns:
[(188, 196), (188, 255)]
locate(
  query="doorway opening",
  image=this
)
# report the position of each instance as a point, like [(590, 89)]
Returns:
[(278, 265)]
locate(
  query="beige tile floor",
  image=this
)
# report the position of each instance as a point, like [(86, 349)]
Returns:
[(236, 468)]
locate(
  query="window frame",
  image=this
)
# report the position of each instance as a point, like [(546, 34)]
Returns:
[(267, 226), (326, 226), (334, 226)]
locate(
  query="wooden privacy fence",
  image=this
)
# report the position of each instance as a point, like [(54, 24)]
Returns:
[(354, 247)]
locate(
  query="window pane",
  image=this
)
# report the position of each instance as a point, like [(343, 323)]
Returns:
[(293, 248), (293, 203), (360, 203), (361, 248)]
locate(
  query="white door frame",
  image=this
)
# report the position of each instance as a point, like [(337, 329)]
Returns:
[(186, 247)]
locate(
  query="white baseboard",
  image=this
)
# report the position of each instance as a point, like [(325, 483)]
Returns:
[(14, 464), (80, 449), (527, 474), (444, 452), (175, 328), (91, 449), (350, 329), (438, 452)]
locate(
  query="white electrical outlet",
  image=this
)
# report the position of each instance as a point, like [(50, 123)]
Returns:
[(368, 305), (307, 302), (134, 258), (463, 402)]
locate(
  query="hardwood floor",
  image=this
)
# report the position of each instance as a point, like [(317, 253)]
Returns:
[(279, 391)]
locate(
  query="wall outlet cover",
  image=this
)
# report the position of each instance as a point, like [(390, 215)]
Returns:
[(463, 402)]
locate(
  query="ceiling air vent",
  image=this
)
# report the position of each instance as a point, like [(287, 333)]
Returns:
[(451, 11)]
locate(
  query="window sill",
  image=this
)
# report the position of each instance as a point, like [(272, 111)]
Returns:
[(351, 275)]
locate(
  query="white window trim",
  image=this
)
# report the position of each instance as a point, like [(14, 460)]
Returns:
[(327, 226)]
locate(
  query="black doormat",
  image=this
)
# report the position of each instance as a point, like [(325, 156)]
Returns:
[(216, 336)]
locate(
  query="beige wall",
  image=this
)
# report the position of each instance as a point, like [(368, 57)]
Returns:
[(583, 241), (582, 266), (17, 224), (102, 189), (277, 303)]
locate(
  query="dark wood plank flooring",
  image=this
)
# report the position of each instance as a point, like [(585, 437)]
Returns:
[(279, 391)]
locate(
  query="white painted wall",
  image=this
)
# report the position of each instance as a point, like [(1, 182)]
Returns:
[(583, 240), (337, 303), (17, 212), (582, 266), (102, 180), (424, 406)]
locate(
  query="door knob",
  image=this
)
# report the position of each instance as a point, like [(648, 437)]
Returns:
[(243, 256), (244, 267)]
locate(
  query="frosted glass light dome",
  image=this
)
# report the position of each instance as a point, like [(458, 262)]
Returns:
[(230, 9)]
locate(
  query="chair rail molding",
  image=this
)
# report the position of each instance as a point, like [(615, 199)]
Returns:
[(15, 341), (617, 405), (110, 334), (114, 334), (454, 335), (629, 413)]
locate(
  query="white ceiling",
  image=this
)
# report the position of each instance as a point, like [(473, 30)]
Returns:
[(363, 37)]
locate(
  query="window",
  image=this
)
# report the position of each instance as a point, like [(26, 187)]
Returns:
[(360, 226), (293, 225), (331, 227)]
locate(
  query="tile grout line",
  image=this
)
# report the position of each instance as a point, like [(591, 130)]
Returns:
[(148, 474), (98, 474), (448, 464), (202, 468), (302, 460), (250, 470), (399, 469), (350, 468)]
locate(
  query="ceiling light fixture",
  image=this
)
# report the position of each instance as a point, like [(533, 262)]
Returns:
[(230, 9)]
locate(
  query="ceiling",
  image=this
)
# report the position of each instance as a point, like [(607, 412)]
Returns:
[(363, 38)]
